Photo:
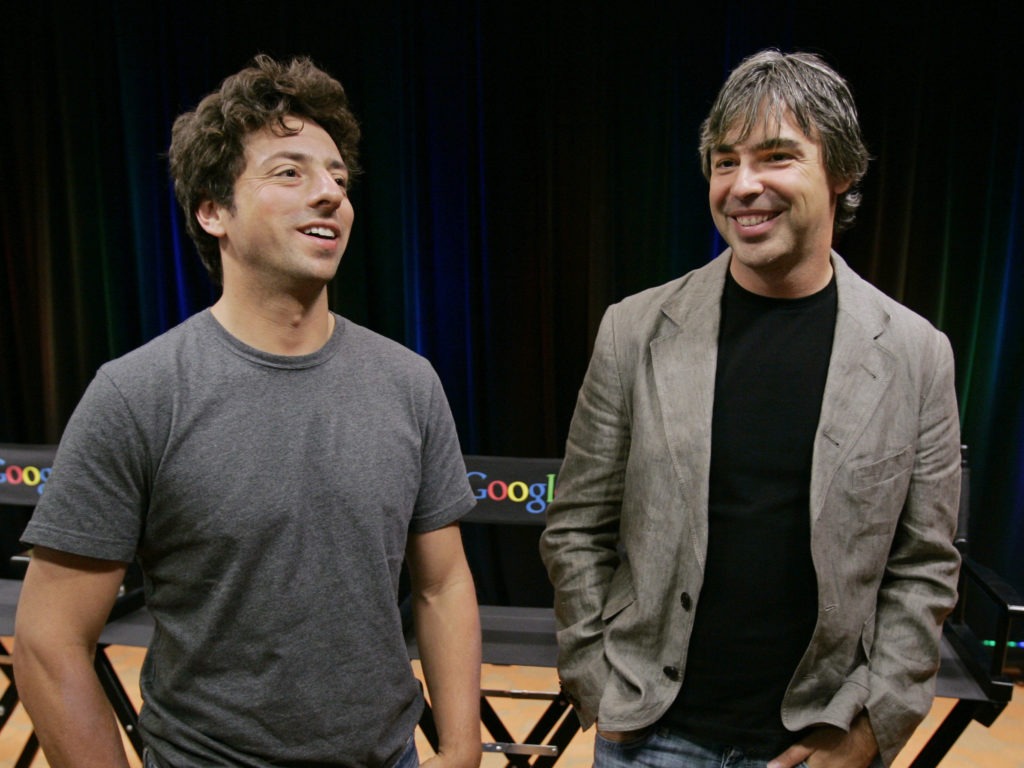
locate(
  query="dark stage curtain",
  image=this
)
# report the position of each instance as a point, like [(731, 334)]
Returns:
[(526, 165)]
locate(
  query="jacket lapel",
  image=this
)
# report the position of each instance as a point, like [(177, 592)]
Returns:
[(859, 372), (683, 358)]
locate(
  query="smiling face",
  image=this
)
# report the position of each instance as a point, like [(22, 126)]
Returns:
[(773, 202), (289, 221)]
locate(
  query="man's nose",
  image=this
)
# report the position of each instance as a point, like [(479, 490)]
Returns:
[(326, 191), (747, 181)]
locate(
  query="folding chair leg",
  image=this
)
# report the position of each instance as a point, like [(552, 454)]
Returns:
[(548, 720), (500, 733), (945, 736), (123, 707), (8, 702), (428, 727), (568, 728), (28, 752)]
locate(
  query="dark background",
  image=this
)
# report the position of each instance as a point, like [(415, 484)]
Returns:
[(526, 165)]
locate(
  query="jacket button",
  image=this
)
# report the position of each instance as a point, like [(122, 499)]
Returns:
[(686, 601), (672, 673)]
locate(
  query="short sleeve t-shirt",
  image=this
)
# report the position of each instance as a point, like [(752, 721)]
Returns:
[(268, 500)]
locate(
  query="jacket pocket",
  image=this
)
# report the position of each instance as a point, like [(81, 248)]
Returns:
[(882, 471), (620, 593)]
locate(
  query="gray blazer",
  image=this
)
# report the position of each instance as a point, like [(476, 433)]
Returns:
[(626, 537)]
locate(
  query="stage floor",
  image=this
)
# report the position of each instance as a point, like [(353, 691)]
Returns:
[(1001, 746)]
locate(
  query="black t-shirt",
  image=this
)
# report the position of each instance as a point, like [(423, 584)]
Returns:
[(758, 606)]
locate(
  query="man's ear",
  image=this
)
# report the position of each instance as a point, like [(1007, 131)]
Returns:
[(839, 187), (211, 218)]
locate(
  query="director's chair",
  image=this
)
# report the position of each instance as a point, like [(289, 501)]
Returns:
[(971, 671), (515, 492), (24, 471)]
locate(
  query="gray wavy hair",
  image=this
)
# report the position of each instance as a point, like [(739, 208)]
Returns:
[(769, 84)]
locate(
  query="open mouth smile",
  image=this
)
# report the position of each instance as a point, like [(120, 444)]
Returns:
[(323, 233), (752, 220)]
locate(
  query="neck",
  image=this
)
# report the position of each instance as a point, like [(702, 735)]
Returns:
[(280, 325), (783, 281)]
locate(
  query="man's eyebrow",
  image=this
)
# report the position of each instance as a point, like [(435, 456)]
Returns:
[(777, 142), (302, 157)]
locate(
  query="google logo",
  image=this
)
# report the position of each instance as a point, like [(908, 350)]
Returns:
[(30, 476), (536, 495)]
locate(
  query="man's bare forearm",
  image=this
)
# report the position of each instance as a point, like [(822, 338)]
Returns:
[(69, 711)]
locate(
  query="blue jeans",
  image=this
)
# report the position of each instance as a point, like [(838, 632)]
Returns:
[(410, 758), (665, 748)]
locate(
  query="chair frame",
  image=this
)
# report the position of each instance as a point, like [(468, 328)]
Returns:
[(977, 677), (129, 601)]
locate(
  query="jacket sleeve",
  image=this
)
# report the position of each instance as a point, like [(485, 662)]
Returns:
[(918, 588), (579, 543)]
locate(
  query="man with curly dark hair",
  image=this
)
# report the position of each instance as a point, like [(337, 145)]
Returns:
[(269, 464), (207, 145)]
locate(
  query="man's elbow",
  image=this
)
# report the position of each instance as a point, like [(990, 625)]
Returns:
[(41, 652)]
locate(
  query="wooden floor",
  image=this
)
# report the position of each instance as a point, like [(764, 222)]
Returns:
[(1001, 746)]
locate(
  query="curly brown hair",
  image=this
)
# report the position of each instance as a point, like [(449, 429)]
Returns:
[(207, 152)]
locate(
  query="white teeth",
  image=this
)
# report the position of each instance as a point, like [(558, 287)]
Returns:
[(750, 221), (319, 232)]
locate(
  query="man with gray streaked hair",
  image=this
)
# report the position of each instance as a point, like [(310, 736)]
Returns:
[(751, 540), (767, 86)]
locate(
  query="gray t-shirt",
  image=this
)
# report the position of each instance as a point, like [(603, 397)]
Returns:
[(268, 499)]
